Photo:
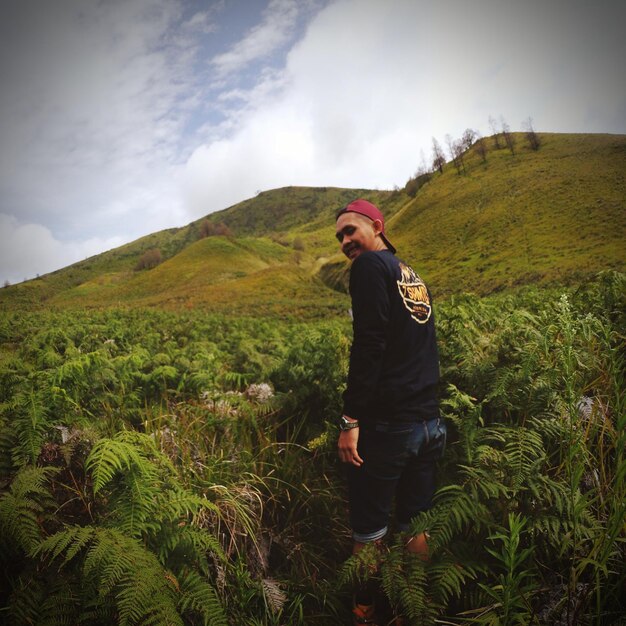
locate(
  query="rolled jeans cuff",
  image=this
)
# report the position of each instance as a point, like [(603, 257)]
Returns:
[(369, 537)]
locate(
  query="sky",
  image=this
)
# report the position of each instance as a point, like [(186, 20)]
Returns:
[(119, 118)]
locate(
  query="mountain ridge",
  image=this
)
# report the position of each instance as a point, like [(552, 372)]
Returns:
[(552, 216)]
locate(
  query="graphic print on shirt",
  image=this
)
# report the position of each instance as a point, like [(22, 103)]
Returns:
[(414, 294)]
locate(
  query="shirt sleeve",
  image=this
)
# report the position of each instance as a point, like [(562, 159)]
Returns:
[(370, 310)]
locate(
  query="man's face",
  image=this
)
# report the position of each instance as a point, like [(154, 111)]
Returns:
[(357, 233)]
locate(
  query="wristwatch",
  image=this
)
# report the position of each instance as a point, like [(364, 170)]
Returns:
[(346, 424)]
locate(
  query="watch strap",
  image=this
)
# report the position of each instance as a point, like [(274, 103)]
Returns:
[(345, 424)]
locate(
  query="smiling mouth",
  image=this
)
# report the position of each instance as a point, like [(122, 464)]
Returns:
[(350, 250)]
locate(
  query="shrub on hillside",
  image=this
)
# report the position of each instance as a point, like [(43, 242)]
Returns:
[(280, 239), (210, 229), (149, 259), (414, 184)]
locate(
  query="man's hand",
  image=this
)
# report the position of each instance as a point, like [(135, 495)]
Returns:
[(347, 443)]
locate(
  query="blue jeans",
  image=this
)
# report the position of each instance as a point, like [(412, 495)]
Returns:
[(399, 461)]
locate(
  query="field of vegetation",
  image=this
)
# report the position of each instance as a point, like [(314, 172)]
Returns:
[(179, 467)]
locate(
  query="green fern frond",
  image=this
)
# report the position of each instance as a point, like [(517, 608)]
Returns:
[(134, 504), (21, 508), (7, 444), (110, 456), (60, 606), (198, 596), (484, 483), (73, 543), (392, 573), (107, 559), (146, 501), (28, 413), (524, 451), (188, 543), (123, 571), (180, 503), (549, 493), (360, 567), (450, 577), (58, 543), (45, 600), (455, 509), (138, 603), (416, 601), (24, 602), (552, 429)]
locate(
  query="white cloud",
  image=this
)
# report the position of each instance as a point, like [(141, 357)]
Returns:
[(370, 83), (279, 21), (93, 107), (230, 170), (28, 250)]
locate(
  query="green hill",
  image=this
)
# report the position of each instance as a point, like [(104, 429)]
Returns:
[(552, 216)]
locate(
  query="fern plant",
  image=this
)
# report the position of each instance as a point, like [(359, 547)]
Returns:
[(130, 577), (144, 558), (24, 424), (23, 507)]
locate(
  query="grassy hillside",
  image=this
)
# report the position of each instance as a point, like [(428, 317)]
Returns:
[(282, 212), (110, 278), (247, 275), (203, 263), (556, 215)]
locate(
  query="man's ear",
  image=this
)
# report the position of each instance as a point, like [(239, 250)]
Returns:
[(378, 226)]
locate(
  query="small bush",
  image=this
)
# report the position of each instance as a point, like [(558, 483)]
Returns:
[(413, 185), (149, 259), (210, 229)]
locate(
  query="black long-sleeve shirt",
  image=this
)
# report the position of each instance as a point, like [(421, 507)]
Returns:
[(394, 363)]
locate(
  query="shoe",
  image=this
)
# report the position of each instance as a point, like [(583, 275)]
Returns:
[(364, 614)]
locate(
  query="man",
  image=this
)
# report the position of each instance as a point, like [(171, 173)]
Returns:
[(391, 431)]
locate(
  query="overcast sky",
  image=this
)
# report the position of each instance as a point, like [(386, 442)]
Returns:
[(119, 118)]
